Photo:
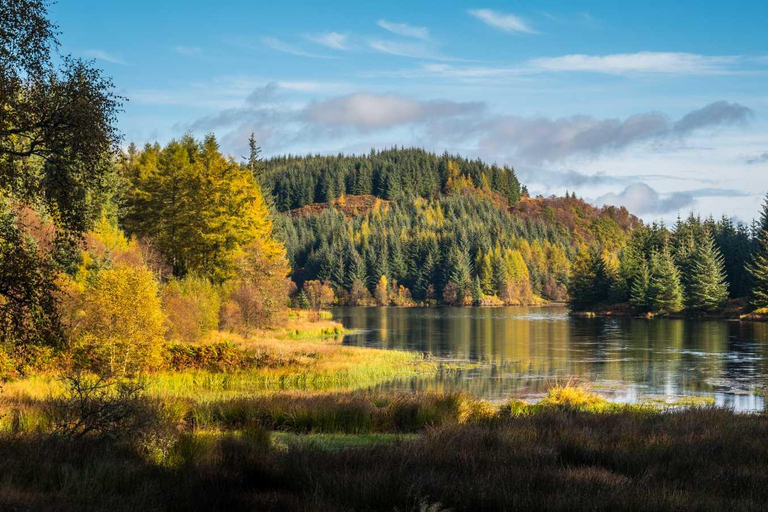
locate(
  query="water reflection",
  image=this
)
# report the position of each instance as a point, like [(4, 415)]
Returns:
[(521, 350)]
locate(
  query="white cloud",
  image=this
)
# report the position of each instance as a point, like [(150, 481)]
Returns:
[(640, 62), (368, 111), (187, 50), (406, 49), (405, 30), (102, 55), (332, 40), (284, 47), (502, 21), (640, 199)]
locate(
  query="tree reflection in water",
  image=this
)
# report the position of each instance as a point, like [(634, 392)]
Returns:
[(519, 351)]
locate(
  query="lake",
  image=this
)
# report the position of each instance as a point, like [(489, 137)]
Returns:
[(520, 351)]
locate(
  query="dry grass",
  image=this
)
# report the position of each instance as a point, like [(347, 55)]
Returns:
[(556, 457), (305, 355)]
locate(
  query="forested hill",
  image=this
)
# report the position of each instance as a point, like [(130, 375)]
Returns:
[(390, 174), (403, 225)]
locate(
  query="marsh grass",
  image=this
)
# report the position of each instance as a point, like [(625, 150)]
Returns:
[(554, 457)]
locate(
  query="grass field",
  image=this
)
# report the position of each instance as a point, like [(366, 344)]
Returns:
[(303, 431)]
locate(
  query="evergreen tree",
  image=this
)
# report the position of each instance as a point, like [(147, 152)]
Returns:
[(254, 158), (708, 289), (638, 298), (758, 267), (665, 294), (477, 291), (592, 281)]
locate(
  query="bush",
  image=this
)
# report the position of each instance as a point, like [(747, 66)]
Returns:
[(260, 293), (191, 306), (121, 324), (99, 407), (213, 357), (319, 294)]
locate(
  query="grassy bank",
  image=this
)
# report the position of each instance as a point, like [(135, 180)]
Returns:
[(572, 451), (303, 355)]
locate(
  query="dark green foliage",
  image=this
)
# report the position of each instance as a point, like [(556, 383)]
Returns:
[(639, 293), (665, 290), (411, 241), (57, 124), (592, 281), (389, 174), (28, 305), (707, 288), (758, 266), (57, 145)]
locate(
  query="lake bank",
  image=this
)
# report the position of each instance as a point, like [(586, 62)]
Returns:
[(574, 451)]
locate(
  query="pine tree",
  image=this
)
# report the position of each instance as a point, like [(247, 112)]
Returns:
[(592, 282), (758, 267), (665, 293), (708, 289), (477, 291), (638, 298), (254, 158)]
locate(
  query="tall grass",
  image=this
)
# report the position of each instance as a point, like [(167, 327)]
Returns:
[(557, 457)]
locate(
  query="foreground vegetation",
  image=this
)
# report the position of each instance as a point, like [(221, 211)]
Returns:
[(572, 451)]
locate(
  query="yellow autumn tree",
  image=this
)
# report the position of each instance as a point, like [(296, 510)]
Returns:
[(455, 180), (200, 209), (121, 325)]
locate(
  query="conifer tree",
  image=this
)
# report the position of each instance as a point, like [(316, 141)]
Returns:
[(758, 267), (477, 291), (592, 281), (665, 292), (638, 298), (708, 289)]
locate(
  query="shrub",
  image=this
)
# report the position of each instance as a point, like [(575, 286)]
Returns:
[(260, 292), (120, 329), (95, 406), (320, 294), (191, 306), (213, 357)]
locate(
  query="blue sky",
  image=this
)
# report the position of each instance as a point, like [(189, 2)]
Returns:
[(659, 106)]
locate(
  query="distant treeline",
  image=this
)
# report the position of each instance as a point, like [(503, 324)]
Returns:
[(296, 181), (442, 229), (696, 266)]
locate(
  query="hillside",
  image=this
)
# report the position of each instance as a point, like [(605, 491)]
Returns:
[(428, 228)]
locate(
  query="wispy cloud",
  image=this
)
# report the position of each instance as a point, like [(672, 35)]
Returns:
[(502, 21), (187, 50), (406, 49), (332, 40), (640, 62), (629, 64), (106, 57), (405, 30), (281, 46)]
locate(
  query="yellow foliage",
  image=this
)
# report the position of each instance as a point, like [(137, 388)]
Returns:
[(120, 328)]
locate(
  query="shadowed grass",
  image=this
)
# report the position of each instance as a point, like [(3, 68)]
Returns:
[(555, 458)]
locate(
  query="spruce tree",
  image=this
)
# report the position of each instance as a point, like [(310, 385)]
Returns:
[(638, 297), (708, 289), (477, 291), (758, 267), (664, 288)]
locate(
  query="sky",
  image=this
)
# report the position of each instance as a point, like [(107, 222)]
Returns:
[(658, 106)]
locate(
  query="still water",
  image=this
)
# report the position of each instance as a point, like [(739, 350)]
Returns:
[(520, 351)]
